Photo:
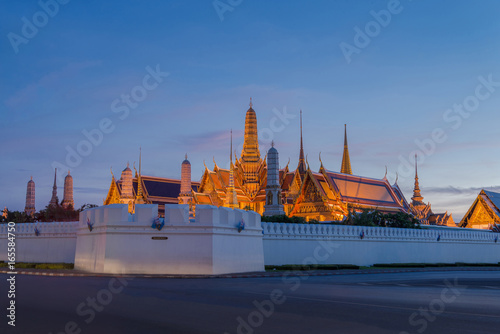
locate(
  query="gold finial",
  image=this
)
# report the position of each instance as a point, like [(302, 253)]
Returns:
[(397, 176), (251, 104), (186, 157), (385, 176), (272, 143), (31, 177)]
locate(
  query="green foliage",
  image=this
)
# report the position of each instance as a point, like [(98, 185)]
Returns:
[(433, 265), (377, 218), (26, 265), (51, 213), (286, 219)]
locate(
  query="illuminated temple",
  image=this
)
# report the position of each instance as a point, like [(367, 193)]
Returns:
[(324, 195)]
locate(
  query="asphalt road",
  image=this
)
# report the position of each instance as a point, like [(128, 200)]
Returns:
[(428, 302)]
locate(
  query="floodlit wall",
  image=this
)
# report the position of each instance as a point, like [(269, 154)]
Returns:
[(55, 243), (121, 243), (336, 244)]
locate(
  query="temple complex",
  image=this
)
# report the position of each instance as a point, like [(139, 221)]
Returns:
[(484, 212), (325, 195), (251, 183)]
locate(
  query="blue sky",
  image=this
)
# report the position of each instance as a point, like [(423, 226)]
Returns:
[(394, 92)]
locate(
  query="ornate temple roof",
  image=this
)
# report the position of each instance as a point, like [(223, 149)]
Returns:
[(488, 203), (159, 189), (364, 191)]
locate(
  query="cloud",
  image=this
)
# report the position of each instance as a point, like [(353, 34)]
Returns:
[(459, 190)]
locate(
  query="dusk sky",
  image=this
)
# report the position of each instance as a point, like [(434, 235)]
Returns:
[(425, 79)]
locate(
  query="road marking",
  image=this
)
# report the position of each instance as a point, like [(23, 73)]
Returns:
[(376, 305)]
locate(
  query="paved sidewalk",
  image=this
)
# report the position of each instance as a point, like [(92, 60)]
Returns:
[(77, 273)]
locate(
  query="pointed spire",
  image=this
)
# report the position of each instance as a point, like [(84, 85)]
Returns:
[(417, 197), (231, 147), (346, 162), (139, 198), (54, 200), (186, 156), (302, 163), (231, 198), (250, 104)]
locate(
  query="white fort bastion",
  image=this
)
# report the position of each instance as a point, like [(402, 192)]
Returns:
[(121, 243)]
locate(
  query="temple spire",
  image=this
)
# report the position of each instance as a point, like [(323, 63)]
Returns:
[(346, 162), (54, 200), (302, 162), (139, 198), (250, 161), (231, 198), (417, 197)]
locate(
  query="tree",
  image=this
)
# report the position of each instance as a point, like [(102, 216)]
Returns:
[(377, 218)]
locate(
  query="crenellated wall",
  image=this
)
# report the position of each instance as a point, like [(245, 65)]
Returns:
[(55, 243), (360, 245)]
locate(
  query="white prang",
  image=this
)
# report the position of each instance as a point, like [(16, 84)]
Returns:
[(273, 204)]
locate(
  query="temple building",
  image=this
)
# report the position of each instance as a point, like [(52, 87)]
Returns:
[(68, 192), (140, 188), (484, 212), (54, 201), (29, 209), (423, 211), (243, 185), (325, 195)]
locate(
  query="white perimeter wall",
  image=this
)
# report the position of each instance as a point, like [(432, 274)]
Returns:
[(56, 242), (334, 244), (121, 243)]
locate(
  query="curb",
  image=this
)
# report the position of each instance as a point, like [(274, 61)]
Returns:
[(248, 275)]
